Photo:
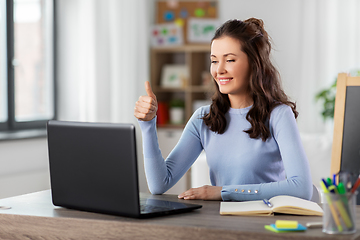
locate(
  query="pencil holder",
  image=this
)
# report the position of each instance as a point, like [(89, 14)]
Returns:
[(339, 213)]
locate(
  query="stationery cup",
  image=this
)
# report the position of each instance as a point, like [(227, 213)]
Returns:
[(339, 213)]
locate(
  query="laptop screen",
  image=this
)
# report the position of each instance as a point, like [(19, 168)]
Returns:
[(93, 166)]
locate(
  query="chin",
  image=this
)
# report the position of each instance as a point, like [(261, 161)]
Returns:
[(223, 90)]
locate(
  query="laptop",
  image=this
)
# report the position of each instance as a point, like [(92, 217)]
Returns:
[(93, 167)]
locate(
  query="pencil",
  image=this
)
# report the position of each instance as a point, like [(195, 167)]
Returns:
[(332, 208)]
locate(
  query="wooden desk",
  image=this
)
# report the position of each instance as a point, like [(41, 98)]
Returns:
[(33, 216)]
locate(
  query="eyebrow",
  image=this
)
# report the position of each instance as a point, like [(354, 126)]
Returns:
[(225, 55)]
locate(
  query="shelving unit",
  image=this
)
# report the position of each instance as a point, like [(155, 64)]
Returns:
[(197, 59)]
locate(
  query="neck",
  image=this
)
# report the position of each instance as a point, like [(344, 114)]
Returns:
[(240, 101)]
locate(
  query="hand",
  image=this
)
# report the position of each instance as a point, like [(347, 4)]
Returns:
[(205, 192), (146, 106)]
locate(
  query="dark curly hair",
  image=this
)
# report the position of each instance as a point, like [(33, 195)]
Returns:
[(265, 86)]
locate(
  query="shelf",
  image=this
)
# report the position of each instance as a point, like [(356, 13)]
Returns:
[(200, 89), (164, 90), (184, 48), (197, 59), (194, 89)]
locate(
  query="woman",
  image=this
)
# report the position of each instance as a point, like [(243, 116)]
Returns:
[(249, 132)]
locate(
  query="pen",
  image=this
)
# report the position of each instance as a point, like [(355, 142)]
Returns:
[(341, 188), (332, 208), (267, 202), (325, 183), (356, 185), (340, 206), (342, 192), (333, 189), (328, 182), (314, 224), (345, 178)]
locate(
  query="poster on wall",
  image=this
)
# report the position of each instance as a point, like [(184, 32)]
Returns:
[(166, 34), (174, 75), (179, 12), (201, 30)]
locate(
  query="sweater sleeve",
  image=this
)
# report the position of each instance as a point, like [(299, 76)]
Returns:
[(298, 181), (162, 174)]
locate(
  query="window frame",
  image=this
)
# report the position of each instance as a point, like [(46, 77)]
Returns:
[(11, 124)]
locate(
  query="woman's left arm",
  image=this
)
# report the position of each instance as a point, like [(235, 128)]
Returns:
[(298, 181)]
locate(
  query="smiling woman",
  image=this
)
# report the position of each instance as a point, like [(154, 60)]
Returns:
[(249, 131), (245, 76)]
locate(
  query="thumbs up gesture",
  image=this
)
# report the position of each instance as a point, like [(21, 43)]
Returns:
[(146, 106)]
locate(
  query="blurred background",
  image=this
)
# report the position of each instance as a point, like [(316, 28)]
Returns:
[(87, 60)]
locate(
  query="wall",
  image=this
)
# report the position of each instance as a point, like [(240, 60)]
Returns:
[(24, 167)]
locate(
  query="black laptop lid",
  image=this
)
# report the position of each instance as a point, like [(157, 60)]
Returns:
[(93, 167)]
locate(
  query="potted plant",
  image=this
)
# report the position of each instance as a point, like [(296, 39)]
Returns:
[(177, 111), (327, 96)]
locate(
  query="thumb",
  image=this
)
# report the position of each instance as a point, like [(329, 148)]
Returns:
[(149, 91)]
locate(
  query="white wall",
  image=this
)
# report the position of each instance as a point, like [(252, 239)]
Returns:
[(23, 167)]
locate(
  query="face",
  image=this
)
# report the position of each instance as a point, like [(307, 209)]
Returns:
[(229, 66)]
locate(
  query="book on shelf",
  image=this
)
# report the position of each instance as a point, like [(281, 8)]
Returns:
[(280, 204)]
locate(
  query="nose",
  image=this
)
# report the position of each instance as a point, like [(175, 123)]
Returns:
[(221, 68)]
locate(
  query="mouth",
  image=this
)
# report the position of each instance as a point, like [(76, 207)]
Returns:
[(224, 81)]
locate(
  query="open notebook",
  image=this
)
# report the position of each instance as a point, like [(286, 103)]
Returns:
[(280, 204)]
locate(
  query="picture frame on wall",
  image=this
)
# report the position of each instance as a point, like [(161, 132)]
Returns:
[(174, 76), (201, 30), (165, 35), (179, 12)]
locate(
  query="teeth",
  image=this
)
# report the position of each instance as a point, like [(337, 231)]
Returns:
[(225, 80)]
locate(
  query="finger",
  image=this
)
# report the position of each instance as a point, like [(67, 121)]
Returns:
[(149, 91), (140, 116), (143, 116), (189, 194), (145, 110), (182, 195), (146, 107), (147, 99), (192, 197), (186, 193)]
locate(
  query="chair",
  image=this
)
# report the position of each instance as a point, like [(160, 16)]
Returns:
[(345, 148), (316, 195)]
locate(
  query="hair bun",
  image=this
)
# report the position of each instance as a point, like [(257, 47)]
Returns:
[(258, 22), (258, 26)]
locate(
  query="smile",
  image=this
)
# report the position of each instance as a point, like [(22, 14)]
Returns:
[(225, 80)]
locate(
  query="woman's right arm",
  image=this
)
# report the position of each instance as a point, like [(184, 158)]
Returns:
[(146, 106), (162, 175)]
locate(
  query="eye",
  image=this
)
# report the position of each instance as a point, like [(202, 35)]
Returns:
[(213, 62), (230, 60)]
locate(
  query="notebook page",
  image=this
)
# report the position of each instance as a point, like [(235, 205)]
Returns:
[(244, 207), (294, 202)]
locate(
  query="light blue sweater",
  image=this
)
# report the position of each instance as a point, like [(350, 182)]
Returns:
[(246, 168)]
